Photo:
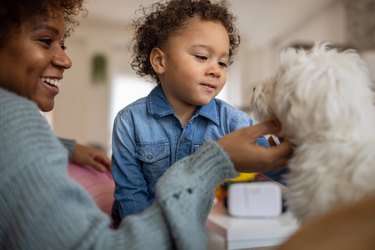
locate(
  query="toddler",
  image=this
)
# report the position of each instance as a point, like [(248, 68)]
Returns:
[(185, 47)]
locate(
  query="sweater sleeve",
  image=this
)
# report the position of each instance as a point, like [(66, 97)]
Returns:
[(186, 192), (42, 208), (69, 144)]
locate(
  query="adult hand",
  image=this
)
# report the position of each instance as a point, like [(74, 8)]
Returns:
[(96, 158), (247, 156)]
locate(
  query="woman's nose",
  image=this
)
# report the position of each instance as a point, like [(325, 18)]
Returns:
[(62, 60)]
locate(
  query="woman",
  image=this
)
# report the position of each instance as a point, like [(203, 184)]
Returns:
[(40, 206), (13, 17)]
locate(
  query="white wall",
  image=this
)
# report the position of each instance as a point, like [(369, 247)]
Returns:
[(258, 61), (82, 108)]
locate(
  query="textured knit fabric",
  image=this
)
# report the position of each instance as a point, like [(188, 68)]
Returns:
[(188, 200), (148, 138), (42, 208), (69, 144)]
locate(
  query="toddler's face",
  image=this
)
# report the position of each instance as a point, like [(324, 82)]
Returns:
[(195, 62)]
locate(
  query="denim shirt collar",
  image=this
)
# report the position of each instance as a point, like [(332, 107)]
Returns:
[(158, 106)]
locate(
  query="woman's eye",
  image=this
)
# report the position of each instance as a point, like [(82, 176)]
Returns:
[(63, 46), (46, 41)]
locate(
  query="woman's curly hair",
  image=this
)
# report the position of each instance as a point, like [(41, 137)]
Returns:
[(13, 13), (162, 19)]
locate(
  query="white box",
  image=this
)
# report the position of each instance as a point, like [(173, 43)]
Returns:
[(255, 199)]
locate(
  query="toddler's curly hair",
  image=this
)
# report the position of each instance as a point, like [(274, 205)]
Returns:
[(162, 19), (14, 13)]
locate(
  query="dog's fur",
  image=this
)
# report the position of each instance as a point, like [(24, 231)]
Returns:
[(324, 102)]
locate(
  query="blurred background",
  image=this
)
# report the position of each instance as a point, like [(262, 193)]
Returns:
[(101, 81)]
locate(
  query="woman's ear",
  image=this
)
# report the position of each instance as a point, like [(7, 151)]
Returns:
[(157, 60)]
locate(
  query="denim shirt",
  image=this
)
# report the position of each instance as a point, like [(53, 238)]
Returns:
[(148, 138)]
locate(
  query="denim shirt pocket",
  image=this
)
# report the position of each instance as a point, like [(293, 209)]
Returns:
[(155, 159)]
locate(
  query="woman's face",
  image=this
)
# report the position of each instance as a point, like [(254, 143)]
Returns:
[(33, 60)]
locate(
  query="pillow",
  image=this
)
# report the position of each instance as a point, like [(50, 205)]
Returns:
[(100, 185)]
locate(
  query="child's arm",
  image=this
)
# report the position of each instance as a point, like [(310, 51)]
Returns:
[(131, 192)]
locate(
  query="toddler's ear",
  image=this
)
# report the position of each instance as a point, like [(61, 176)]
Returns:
[(157, 60)]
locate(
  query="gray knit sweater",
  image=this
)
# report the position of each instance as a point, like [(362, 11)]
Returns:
[(69, 144), (42, 208)]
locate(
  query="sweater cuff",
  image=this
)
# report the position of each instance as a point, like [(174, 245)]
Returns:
[(69, 144), (212, 161), (209, 166), (185, 193)]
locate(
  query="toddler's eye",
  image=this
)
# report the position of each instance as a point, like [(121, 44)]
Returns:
[(223, 64), (201, 57)]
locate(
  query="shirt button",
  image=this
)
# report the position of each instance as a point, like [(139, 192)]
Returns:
[(149, 157)]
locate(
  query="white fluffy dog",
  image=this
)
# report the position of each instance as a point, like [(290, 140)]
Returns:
[(324, 102)]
